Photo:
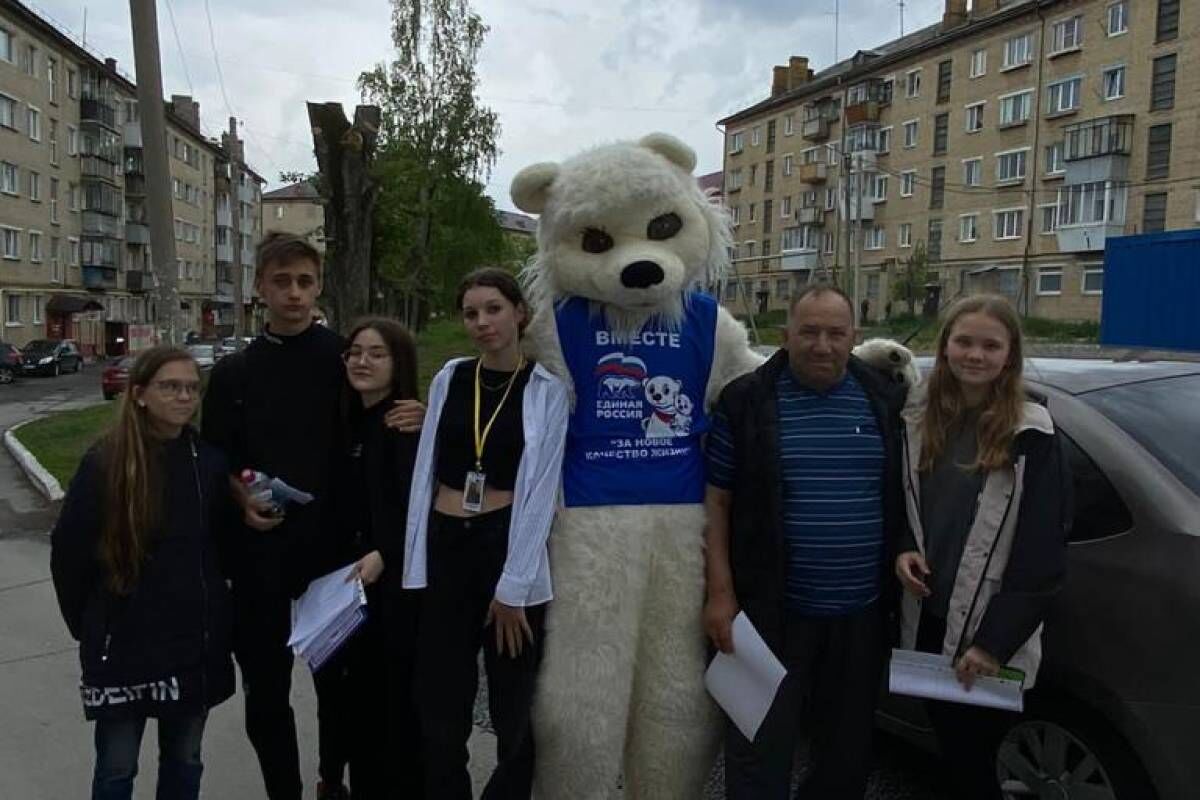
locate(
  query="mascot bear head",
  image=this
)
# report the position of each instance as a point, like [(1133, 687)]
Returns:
[(626, 226)]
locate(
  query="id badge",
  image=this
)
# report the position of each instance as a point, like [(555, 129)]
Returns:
[(473, 492)]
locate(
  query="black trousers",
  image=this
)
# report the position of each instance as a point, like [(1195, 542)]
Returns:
[(262, 622), (464, 562), (834, 669), (968, 736), (366, 714)]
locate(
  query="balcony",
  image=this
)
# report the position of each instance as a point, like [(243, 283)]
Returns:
[(225, 291), (862, 209), (98, 224), (135, 186), (138, 281), (813, 173), (137, 233), (865, 159), (91, 166), (225, 253), (799, 260), (246, 192), (91, 110), (866, 111), (95, 277), (132, 134), (224, 218), (1087, 238), (810, 215), (815, 129), (1098, 149)]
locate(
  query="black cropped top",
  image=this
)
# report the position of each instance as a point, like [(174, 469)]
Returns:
[(456, 427)]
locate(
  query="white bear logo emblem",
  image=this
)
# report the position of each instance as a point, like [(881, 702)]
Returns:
[(663, 395)]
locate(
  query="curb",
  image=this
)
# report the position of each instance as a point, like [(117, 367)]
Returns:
[(46, 483)]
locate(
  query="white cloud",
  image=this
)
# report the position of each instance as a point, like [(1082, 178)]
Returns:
[(562, 75)]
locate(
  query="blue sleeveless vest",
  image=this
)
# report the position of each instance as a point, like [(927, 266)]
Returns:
[(634, 436)]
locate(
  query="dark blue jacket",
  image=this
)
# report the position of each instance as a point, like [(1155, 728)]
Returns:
[(165, 647)]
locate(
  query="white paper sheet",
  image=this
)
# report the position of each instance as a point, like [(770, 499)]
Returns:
[(745, 682), (931, 676), (325, 615)]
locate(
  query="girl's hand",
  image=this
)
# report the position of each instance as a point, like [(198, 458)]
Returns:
[(912, 571), (719, 612), (368, 569), (512, 629), (405, 416), (975, 662)]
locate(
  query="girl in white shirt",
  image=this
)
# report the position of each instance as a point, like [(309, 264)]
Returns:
[(485, 488)]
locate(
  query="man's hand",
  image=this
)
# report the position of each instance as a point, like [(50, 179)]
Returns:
[(256, 515), (975, 662), (405, 416), (912, 571), (367, 569), (512, 629), (719, 611)]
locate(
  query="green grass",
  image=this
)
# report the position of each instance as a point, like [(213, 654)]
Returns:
[(60, 440)]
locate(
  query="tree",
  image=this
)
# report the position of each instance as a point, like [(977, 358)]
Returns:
[(437, 148), (909, 285)]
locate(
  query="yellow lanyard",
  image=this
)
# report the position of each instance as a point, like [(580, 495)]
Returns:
[(480, 439)]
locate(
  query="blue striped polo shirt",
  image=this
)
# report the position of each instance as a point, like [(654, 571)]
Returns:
[(832, 463)]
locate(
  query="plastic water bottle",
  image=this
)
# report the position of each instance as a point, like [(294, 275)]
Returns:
[(258, 486)]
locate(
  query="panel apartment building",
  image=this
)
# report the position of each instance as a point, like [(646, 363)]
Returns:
[(1009, 140), (75, 257)]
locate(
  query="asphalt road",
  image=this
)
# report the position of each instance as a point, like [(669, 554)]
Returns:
[(45, 746)]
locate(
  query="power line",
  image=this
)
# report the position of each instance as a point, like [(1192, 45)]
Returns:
[(179, 46), (212, 41)]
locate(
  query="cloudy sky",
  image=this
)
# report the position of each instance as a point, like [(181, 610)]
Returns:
[(562, 74)]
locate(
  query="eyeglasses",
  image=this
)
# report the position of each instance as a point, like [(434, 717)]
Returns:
[(373, 355), (178, 388)]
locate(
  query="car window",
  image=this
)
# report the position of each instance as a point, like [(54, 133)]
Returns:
[(1163, 416), (1099, 510)]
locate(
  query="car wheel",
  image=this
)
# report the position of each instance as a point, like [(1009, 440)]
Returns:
[(1057, 750), (6, 375)]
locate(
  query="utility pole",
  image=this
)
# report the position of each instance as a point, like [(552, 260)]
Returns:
[(901, 4), (858, 239), (235, 218), (158, 172)]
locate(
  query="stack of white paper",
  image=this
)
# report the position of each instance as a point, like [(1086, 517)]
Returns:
[(931, 676), (745, 682), (326, 614)]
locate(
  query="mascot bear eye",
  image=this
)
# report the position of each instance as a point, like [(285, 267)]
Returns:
[(664, 227), (596, 241)]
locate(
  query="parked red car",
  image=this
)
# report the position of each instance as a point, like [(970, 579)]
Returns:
[(10, 362), (115, 377)]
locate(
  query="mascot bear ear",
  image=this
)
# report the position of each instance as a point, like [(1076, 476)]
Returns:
[(671, 149), (531, 186)]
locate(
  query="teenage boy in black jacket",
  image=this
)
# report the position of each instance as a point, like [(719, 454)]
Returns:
[(274, 407)]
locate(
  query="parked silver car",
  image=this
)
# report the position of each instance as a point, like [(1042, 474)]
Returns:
[(205, 354), (1116, 712)]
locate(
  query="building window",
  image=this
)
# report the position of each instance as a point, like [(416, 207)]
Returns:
[(73, 244), (879, 188), (968, 227), (29, 60), (35, 247), (11, 238), (1010, 167), (1068, 35), (908, 180), (1049, 281), (1097, 202), (937, 188), (771, 136), (8, 178), (37, 309), (1093, 280), (910, 133), (753, 174), (72, 84), (1049, 218), (1054, 159), (1063, 97), (1114, 82), (1008, 224), (912, 83), (830, 199), (769, 177), (884, 141), (35, 187), (752, 216), (1015, 108), (933, 247), (6, 45), (875, 238), (941, 134), (1168, 20), (785, 207), (72, 141), (734, 180), (905, 234), (789, 124), (736, 142), (975, 117), (979, 63), (768, 210), (13, 316), (1158, 152), (35, 124), (756, 136), (8, 112), (1118, 18), (1018, 51), (972, 171), (787, 165), (945, 76), (1153, 215), (1162, 84), (52, 78)]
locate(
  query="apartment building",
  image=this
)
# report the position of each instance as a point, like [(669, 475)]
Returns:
[(1008, 141), (75, 259), (298, 209)]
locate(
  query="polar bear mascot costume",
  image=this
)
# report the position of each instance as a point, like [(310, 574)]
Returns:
[(626, 239)]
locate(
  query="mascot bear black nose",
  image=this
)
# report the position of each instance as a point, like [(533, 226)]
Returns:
[(642, 275)]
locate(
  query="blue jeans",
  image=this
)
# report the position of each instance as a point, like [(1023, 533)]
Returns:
[(118, 743)]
